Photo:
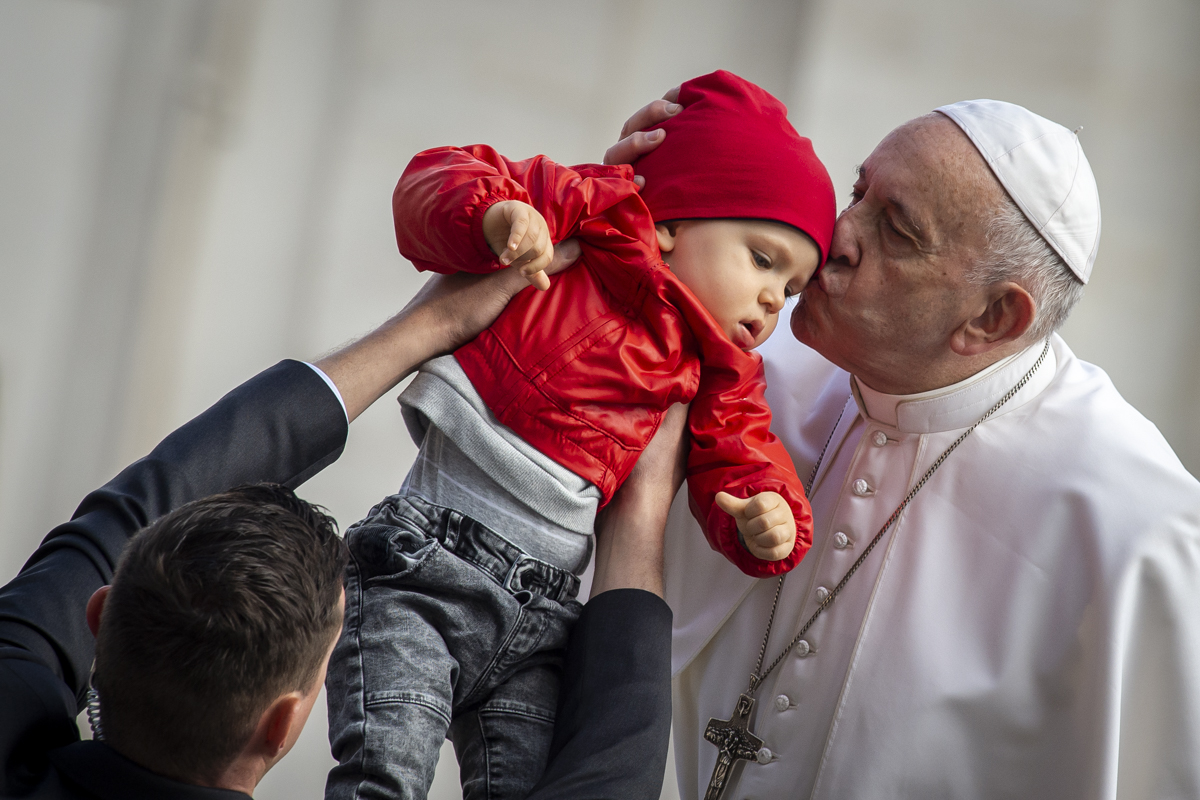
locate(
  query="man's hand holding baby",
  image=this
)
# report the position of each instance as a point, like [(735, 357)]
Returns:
[(520, 237), (765, 521)]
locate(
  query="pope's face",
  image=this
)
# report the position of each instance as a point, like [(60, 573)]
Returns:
[(741, 270), (894, 287)]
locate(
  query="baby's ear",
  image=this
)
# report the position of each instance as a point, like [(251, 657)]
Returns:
[(666, 236)]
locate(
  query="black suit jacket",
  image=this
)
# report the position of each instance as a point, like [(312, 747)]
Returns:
[(283, 426)]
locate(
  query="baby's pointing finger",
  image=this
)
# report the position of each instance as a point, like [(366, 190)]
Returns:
[(529, 252), (538, 261), (539, 281), (516, 236)]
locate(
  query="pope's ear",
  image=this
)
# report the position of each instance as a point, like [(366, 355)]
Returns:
[(1008, 315), (666, 236)]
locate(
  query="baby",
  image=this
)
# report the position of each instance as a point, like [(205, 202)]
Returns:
[(461, 589)]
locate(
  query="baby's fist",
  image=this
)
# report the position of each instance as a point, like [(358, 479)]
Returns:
[(519, 236), (765, 521)]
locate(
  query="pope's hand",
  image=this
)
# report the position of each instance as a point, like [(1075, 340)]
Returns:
[(765, 521), (634, 142), (519, 236)]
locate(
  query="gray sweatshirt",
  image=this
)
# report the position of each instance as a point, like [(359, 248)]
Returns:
[(473, 464)]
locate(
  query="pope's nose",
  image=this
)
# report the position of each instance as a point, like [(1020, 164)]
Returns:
[(835, 277)]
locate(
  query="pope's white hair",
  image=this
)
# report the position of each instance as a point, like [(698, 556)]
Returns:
[(1015, 252)]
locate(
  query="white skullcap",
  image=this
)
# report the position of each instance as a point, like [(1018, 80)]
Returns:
[(1042, 167)]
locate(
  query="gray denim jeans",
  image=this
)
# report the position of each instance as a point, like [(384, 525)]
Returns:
[(451, 631)]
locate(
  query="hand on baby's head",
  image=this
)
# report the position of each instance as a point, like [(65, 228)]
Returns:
[(765, 521), (519, 236)]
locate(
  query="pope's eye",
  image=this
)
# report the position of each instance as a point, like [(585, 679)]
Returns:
[(761, 260)]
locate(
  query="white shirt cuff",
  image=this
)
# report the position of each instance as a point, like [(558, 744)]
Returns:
[(332, 388)]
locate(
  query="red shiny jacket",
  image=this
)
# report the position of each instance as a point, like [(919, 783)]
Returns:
[(585, 371)]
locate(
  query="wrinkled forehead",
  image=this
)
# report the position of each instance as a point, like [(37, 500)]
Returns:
[(930, 166)]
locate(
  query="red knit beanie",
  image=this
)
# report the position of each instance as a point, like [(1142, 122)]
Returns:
[(731, 153)]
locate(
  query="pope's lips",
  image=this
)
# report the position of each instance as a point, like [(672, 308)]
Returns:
[(812, 314), (811, 292)]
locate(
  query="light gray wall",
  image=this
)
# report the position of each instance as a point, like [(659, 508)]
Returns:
[(191, 190)]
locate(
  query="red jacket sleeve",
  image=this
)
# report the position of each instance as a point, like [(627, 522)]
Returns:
[(440, 200), (733, 450)]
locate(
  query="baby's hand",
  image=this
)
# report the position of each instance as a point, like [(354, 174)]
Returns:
[(765, 521), (519, 236)]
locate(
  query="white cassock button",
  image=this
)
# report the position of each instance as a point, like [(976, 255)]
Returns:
[(802, 648), (841, 541), (822, 593), (783, 702), (764, 755), (880, 438), (862, 488)]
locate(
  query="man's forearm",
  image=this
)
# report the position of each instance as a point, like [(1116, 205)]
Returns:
[(629, 532), (448, 312), (614, 713)]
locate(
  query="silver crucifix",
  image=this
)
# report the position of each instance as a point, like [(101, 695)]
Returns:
[(734, 743)]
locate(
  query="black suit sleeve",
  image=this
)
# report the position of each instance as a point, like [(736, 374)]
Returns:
[(283, 426), (614, 714)]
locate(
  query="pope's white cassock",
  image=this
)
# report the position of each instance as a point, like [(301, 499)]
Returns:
[(1030, 627)]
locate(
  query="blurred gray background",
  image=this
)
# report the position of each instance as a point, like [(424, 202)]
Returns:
[(191, 190)]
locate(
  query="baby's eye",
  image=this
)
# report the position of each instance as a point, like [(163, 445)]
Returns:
[(761, 260)]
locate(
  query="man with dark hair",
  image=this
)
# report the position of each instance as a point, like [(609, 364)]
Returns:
[(252, 575), (221, 613)]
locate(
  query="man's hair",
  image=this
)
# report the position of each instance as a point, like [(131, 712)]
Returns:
[(1017, 253), (216, 610)]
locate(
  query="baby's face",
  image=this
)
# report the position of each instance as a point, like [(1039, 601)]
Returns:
[(741, 270)]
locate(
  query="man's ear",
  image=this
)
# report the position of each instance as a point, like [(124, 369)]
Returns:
[(275, 725), (666, 235), (95, 607), (1008, 315)]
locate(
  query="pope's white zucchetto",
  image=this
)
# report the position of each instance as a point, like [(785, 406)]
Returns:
[(1042, 167)]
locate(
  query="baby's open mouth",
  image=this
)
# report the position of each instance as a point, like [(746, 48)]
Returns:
[(748, 333)]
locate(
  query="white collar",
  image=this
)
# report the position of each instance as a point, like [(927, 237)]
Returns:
[(961, 404)]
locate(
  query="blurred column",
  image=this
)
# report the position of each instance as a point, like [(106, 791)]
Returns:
[(75, 364)]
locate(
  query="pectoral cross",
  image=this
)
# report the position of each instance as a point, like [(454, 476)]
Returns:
[(734, 743)]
